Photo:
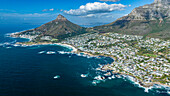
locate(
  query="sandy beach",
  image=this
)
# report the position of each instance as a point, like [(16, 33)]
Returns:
[(67, 45)]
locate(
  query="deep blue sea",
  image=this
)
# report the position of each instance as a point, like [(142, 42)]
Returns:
[(24, 72)]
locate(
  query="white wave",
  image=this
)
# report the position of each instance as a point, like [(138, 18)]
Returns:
[(41, 52), (8, 34), (168, 92), (158, 86), (99, 78), (136, 82), (109, 78), (165, 88), (56, 77), (63, 52), (113, 77), (95, 82), (7, 44), (8, 47), (16, 45), (1, 44), (84, 75), (50, 52), (147, 89), (83, 55)]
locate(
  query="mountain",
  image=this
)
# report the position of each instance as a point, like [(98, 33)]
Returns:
[(149, 20), (58, 29)]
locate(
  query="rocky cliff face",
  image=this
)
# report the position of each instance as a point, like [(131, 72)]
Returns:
[(162, 1), (158, 10), (148, 20)]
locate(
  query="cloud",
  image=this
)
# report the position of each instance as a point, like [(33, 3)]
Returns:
[(110, 0), (61, 10), (7, 10), (45, 10), (97, 15), (93, 8), (104, 15), (25, 15)]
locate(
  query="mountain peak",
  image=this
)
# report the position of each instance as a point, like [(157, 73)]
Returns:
[(61, 18)]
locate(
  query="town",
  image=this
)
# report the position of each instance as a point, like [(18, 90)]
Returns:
[(145, 58)]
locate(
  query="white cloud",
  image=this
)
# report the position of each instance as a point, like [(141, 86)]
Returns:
[(96, 7), (7, 10), (110, 0), (61, 10), (25, 15), (104, 15), (51, 9), (45, 10), (98, 15)]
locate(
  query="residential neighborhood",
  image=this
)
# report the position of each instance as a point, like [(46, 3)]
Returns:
[(147, 59)]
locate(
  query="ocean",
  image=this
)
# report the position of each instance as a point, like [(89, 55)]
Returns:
[(25, 72)]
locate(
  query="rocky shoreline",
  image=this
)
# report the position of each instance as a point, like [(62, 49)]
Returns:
[(143, 84), (77, 51)]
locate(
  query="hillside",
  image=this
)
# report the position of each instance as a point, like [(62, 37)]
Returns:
[(57, 29), (149, 20)]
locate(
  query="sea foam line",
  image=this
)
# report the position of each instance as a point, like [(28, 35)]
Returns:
[(146, 89)]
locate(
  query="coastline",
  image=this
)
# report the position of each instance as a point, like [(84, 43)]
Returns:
[(77, 51), (139, 81), (48, 43)]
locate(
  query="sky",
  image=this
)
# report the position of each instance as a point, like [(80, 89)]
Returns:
[(82, 12)]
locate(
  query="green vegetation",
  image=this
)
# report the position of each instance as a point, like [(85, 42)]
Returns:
[(54, 40), (150, 55)]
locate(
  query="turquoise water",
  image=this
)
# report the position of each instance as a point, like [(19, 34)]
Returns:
[(24, 72)]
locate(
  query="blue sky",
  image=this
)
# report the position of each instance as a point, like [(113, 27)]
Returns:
[(91, 12)]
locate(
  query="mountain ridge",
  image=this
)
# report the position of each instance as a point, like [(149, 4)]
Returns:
[(149, 20)]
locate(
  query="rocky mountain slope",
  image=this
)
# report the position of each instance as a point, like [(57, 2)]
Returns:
[(149, 20), (58, 29)]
